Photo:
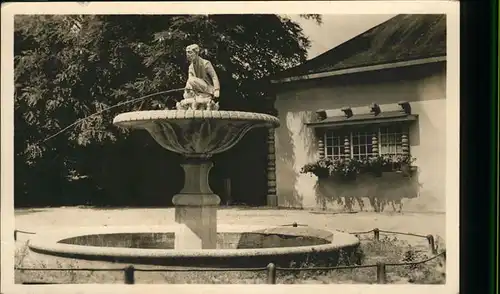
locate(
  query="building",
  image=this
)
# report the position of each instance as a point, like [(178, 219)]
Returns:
[(382, 92)]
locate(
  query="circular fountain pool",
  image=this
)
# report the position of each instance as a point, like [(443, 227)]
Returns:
[(237, 246)]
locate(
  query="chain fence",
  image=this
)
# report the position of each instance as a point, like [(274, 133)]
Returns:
[(129, 272)]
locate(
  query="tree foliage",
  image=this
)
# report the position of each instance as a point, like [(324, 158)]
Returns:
[(70, 66)]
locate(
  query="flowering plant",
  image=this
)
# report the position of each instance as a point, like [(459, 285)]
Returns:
[(320, 168), (403, 163), (349, 167), (378, 164), (345, 167), (323, 168), (403, 159)]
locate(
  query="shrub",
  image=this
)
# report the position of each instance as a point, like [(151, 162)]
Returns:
[(348, 168)]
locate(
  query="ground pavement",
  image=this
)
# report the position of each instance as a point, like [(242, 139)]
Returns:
[(36, 220)]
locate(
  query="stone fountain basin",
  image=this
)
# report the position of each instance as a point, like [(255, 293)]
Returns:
[(238, 246), (196, 133)]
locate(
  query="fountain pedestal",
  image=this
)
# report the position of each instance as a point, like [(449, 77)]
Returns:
[(196, 208)]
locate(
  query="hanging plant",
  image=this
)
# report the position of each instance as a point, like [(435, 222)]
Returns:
[(402, 161), (320, 168), (348, 168), (345, 168)]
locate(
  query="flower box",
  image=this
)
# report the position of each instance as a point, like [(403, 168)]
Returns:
[(349, 168)]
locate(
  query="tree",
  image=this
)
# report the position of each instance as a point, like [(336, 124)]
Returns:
[(68, 67)]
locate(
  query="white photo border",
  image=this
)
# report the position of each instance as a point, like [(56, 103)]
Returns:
[(450, 8)]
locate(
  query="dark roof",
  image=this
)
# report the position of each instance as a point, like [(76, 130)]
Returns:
[(402, 38)]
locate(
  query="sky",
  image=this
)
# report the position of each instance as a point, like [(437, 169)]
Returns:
[(336, 29)]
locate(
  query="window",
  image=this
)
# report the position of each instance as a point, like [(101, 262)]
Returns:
[(361, 144), (361, 141), (390, 141), (334, 145)]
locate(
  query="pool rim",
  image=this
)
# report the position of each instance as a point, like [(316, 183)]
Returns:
[(46, 243)]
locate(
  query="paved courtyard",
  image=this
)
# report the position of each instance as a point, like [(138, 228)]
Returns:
[(36, 220), (65, 219)]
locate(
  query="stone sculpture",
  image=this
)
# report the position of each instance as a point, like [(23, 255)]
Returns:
[(202, 86)]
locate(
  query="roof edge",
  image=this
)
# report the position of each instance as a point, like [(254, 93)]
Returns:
[(363, 122), (341, 45), (361, 69)]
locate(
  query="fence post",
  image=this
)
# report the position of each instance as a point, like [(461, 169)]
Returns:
[(376, 234), (381, 275), (129, 275), (271, 273), (432, 244), (15, 235)]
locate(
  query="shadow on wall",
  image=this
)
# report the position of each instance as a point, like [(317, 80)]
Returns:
[(286, 193), (298, 147), (415, 133), (367, 191)]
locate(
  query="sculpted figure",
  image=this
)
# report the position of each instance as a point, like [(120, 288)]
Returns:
[(202, 85)]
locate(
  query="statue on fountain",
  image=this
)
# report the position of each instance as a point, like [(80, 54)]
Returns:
[(202, 86)]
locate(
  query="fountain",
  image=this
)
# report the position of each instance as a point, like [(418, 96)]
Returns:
[(197, 129), (197, 134)]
